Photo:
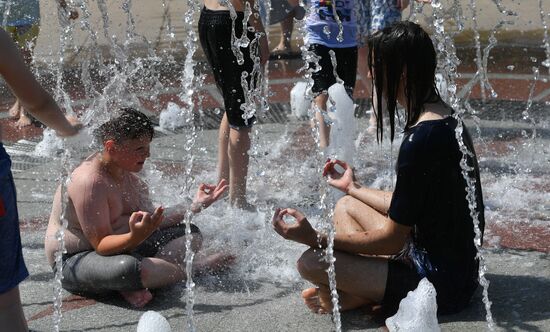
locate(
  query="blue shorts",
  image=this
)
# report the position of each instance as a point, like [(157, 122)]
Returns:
[(375, 15), (12, 265)]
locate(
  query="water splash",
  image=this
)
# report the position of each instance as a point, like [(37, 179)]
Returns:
[(326, 205)]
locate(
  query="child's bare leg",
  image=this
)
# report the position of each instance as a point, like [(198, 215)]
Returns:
[(239, 144), (174, 252), (27, 51), (15, 109), (353, 292), (324, 129), (223, 149), (286, 34), (12, 317)]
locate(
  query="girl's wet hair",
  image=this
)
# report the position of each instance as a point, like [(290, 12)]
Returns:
[(128, 124), (403, 49)]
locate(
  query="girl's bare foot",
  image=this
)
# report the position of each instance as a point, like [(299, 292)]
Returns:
[(314, 301), (137, 298)]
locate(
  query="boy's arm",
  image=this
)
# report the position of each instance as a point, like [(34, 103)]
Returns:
[(206, 195), (29, 92)]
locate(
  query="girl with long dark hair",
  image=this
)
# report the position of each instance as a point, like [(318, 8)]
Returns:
[(386, 242)]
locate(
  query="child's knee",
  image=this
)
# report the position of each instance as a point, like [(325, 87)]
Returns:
[(309, 265)]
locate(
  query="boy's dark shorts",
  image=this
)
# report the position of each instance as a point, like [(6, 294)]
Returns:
[(88, 272), (215, 30), (346, 68)]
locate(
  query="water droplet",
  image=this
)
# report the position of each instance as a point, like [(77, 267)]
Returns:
[(533, 59), (511, 67)]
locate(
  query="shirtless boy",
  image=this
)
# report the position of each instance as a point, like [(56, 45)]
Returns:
[(116, 240)]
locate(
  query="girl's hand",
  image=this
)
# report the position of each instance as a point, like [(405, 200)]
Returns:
[(300, 232), (341, 181)]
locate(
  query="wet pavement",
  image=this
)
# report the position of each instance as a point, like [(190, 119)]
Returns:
[(512, 140)]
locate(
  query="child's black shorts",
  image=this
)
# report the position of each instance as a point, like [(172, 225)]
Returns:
[(346, 68), (215, 30)]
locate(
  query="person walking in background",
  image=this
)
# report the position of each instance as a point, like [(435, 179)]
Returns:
[(284, 12), (331, 27), (216, 35), (375, 15), (21, 20), (41, 105)]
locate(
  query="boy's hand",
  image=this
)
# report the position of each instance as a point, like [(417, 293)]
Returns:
[(208, 194), (143, 224), (300, 232)]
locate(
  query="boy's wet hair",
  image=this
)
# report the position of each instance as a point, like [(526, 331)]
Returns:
[(128, 124), (405, 50)]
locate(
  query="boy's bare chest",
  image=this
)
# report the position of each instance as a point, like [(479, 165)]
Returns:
[(123, 200)]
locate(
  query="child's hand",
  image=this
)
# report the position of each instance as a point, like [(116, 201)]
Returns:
[(143, 224), (208, 194), (341, 181)]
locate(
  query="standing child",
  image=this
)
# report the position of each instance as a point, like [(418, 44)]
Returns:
[(21, 19), (41, 105), (375, 16), (215, 32), (324, 33)]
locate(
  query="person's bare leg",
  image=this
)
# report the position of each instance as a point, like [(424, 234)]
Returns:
[(350, 215), (363, 70), (12, 317), (223, 147), (239, 144), (353, 292), (166, 268), (15, 109), (24, 118), (287, 25), (324, 129), (174, 252)]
